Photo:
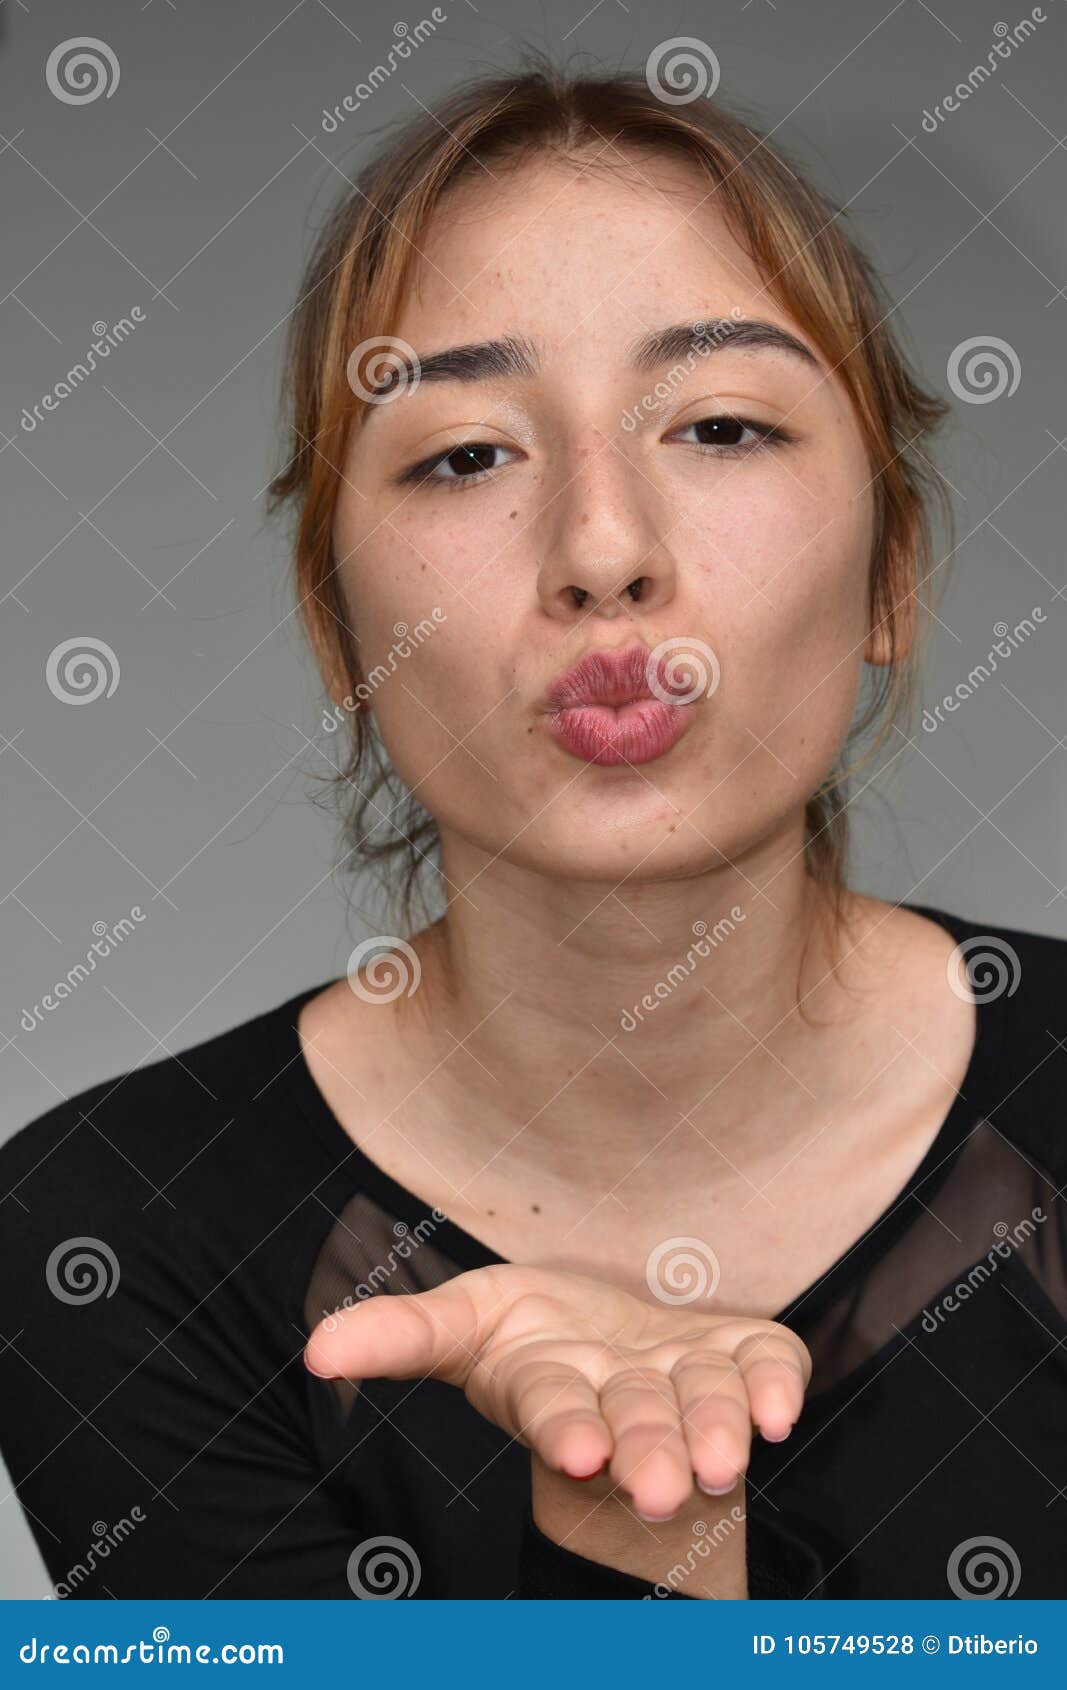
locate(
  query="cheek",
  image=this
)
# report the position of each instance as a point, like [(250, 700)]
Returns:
[(795, 622)]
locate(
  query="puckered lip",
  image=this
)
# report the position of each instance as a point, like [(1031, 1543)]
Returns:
[(610, 676)]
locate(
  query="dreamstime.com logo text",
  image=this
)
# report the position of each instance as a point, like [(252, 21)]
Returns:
[(407, 39), (102, 347), (1007, 39), (105, 1539), (107, 940), (408, 1239), (700, 1548), (155, 1651), (405, 641), (704, 943), (1007, 641), (1008, 1241), (706, 337)]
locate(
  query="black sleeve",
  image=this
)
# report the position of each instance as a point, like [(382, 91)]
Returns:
[(151, 1419), (782, 1564)]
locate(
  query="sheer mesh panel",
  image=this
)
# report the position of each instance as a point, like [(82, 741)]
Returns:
[(993, 1206)]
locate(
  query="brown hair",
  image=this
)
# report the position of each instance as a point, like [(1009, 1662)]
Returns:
[(353, 290)]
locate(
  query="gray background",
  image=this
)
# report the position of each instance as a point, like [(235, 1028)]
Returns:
[(133, 513)]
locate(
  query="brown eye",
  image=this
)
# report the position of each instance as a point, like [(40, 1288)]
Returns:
[(460, 466), (729, 433)]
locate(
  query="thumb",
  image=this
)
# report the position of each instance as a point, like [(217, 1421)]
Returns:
[(426, 1334)]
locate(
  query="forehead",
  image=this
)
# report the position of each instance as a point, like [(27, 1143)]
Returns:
[(567, 249)]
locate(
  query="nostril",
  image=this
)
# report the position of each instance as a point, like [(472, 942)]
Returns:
[(636, 588), (579, 595)]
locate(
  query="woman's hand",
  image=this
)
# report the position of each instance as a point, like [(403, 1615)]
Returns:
[(585, 1375)]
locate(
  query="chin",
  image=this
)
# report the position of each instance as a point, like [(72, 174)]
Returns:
[(609, 850)]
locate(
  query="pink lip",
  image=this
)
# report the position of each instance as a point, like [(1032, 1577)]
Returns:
[(604, 711)]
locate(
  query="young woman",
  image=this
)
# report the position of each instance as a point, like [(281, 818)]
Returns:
[(665, 1217)]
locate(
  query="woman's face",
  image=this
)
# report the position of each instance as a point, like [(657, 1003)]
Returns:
[(601, 508)]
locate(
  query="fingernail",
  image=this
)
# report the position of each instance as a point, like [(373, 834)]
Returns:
[(780, 1439), (653, 1519), (583, 1478), (716, 1490), (315, 1370)]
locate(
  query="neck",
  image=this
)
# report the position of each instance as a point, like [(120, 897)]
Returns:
[(585, 1021)]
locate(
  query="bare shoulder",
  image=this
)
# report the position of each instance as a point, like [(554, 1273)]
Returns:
[(912, 962)]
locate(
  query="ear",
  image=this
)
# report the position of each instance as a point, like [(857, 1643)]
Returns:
[(895, 618)]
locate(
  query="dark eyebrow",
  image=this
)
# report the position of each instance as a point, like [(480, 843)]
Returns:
[(666, 346), (516, 356), (480, 361)]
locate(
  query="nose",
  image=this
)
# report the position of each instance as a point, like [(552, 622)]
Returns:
[(604, 548)]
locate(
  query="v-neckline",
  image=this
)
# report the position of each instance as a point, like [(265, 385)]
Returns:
[(468, 1251)]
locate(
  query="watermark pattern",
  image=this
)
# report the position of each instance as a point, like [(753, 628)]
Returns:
[(982, 1271), (81, 69), (381, 1569), (680, 972), (682, 1270), (406, 640), (81, 1270), (983, 1569), (392, 972), (105, 1539), (1007, 641), (107, 338), (701, 1546), (682, 70), (107, 939), (983, 368), (407, 39), (1007, 39), (382, 368), (706, 337), (681, 670), (984, 968), (81, 670), (408, 1239)]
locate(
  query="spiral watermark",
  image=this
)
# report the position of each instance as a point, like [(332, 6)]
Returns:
[(983, 368), (81, 69), (1007, 39), (81, 670), (382, 368), (984, 968), (1007, 641), (381, 1569), (983, 1569), (408, 37), (681, 670), (682, 1270), (706, 939), (393, 970), (81, 1270), (682, 70)]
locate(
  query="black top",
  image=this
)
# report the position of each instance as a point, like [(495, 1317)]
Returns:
[(171, 1236)]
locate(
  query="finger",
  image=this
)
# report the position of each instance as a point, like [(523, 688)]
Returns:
[(715, 1416), (415, 1336), (776, 1369), (557, 1411), (650, 1456)]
